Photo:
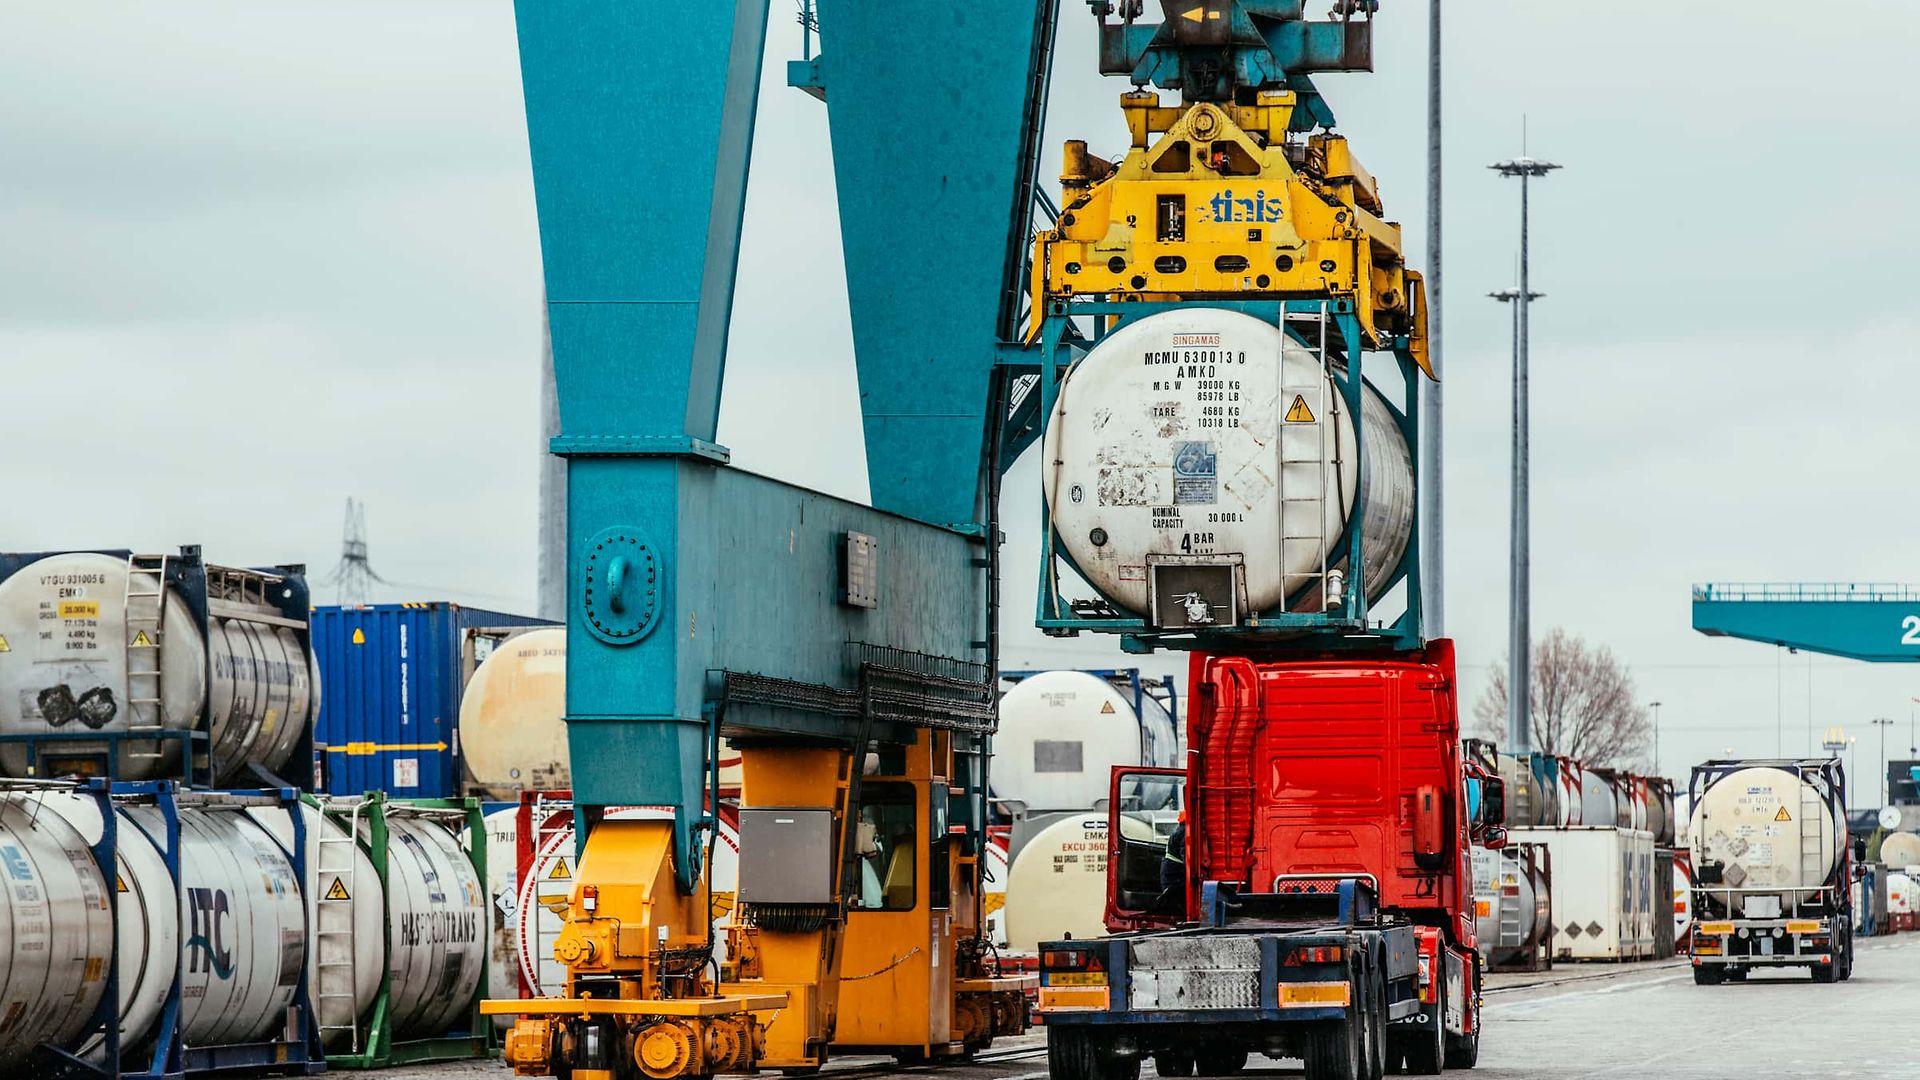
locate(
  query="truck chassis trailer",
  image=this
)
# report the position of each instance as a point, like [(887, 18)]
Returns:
[(1316, 973)]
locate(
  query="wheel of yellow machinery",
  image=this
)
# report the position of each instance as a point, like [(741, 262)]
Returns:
[(667, 1049)]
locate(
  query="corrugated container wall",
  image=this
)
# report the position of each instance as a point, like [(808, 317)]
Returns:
[(391, 676)]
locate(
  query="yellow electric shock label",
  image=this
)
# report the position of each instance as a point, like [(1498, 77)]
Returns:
[(4, 647), (359, 638), (1783, 815), (142, 641), (559, 871), (338, 891), (79, 609), (1299, 413)]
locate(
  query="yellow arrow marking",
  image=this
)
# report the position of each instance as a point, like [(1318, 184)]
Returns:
[(363, 749), (338, 892), (358, 637), (1300, 413), (1196, 14)]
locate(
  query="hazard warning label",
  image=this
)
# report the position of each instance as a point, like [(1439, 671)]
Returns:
[(119, 883), (1783, 815), (560, 871), (4, 647), (338, 891), (142, 641), (1300, 413), (1106, 708)]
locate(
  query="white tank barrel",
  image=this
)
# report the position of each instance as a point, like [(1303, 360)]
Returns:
[(56, 934), (93, 647), (1206, 432), (1900, 850), (1058, 884), (437, 927), (243, 924), (1771, 834), (1598, 803), (1061, 733), (513, 735), (513, 731), (503, 890), (1901, 895)]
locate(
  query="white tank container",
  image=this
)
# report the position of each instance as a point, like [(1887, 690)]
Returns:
[(76, 676), (513, 733), (1058, 884), (1773, 834), (1598, 802), (503, 890), (1209, 432), (148, 914), (549, 880), (1510, 907), (1901, 850), (243, 924), (344, 898), (1572, 798), (437, 939), (1061, 733), (1901, 895), (56, 934)]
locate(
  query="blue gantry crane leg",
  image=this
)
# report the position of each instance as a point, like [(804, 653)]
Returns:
[(847, 650)]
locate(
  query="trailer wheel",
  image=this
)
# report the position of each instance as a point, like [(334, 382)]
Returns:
[(1077, 1055), (1333, 1051), (1463, 1051), (1424, 1053), (1373, 1033), (1174, 1063)]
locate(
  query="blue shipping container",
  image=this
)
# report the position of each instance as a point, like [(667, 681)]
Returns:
[(391, 676)]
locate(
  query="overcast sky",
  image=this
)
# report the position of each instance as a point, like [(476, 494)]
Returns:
[(262, 257)]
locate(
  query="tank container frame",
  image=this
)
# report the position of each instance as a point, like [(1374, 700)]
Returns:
[(297, 1052), (374, 1045), (1348, 626), (1538, 956), (185, 575)]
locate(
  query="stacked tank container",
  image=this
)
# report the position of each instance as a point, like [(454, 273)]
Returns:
[(254, 931), (139, 667)]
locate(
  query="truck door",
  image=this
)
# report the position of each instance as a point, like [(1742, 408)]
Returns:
[(1144, 808)]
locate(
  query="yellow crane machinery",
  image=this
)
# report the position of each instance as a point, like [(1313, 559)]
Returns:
[(858, 923), (1215, 201)]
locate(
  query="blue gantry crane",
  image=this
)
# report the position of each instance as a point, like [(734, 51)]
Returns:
[(1878, 623)]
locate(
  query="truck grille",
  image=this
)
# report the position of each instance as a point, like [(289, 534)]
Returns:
[(1194, 973)]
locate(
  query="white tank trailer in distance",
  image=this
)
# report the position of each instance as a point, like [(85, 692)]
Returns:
[(1772, 868)]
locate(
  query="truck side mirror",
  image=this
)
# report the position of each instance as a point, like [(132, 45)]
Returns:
[(1495, 839), (1493, 802), (1859, 849)]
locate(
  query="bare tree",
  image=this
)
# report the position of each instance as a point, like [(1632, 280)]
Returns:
[(1585, 705)]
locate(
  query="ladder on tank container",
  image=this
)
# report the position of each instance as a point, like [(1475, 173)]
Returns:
[(1507, 880), (551, 819), (1813, 867), (145, 610), (337, 968), (1323, 401)]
